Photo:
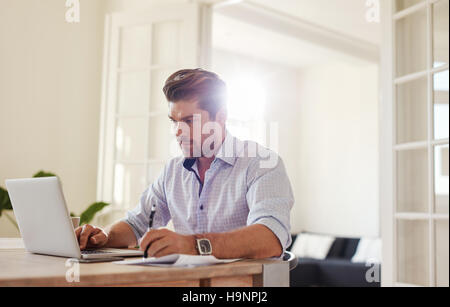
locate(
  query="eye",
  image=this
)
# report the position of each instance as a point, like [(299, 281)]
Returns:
[(188, 121)]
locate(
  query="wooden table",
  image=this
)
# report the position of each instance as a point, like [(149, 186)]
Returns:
[(20, 268)]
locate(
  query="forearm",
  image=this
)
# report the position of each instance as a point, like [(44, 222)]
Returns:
[(253, 242), (120, 235)]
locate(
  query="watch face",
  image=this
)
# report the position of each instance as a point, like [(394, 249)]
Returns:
[(204, 246)]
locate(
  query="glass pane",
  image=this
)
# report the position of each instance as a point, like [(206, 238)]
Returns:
[(412, 181), (134, 88), (158, 100), (441, 181), (412, 111), (131, 139), (129, 183), (442, 255), (441, 105), (165, 47), (403, 4), (411, 43), (412, 252), (159, 138), (135, 46), (440, 33)]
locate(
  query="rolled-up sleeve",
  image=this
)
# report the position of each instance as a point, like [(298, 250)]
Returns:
[(138, 218), (270, 199)]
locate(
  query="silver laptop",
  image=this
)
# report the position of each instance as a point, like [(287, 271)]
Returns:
[(45, 223)]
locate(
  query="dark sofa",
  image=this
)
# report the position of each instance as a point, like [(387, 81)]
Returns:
[(336, 270)]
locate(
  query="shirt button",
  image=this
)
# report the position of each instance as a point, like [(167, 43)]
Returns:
[(201, 207)]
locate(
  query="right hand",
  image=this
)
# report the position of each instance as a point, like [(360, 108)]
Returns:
[(90, 236)]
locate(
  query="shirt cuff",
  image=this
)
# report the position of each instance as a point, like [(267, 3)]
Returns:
[(278, 229)]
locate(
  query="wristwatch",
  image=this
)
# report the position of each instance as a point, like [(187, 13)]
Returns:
[(203, 246)]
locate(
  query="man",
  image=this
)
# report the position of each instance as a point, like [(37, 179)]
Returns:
[(221, 196)]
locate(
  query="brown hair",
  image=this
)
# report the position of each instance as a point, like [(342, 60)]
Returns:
[(199, 84)]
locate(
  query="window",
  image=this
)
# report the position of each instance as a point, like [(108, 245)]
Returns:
[(414, 195), (141, 50), (247, 99)]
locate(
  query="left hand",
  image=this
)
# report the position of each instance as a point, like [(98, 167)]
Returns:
[(165, 242)]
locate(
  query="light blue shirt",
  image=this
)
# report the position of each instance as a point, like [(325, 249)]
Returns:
[(240, 189)]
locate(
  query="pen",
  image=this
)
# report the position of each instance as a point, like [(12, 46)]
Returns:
[(150, 224)]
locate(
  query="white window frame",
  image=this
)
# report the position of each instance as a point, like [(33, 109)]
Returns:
[(389, 148), (196, 27)]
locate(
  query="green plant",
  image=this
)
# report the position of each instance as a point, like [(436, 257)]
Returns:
[(86, 216), (5, 204), (44, 174)]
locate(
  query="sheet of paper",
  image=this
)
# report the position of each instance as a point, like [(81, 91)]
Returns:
[(169, 259), (177, 260)]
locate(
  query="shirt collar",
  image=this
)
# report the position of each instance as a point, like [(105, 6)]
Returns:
[(188, 163), (227, 151)]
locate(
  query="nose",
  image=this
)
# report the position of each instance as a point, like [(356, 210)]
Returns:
[(178, 129)]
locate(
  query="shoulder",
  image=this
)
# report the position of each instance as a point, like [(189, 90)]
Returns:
[(264, 168), (173, 165), (257, 156), (175, 162)]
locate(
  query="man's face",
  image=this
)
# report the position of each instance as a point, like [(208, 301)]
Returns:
[(196, 131)]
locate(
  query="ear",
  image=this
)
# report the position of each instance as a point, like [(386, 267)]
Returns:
[(221, 116)]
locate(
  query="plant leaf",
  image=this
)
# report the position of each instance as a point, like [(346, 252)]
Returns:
[(12, 221), (90, 212), (5, 202), (44, 174)]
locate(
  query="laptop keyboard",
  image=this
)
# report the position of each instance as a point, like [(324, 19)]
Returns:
[(94, 251)]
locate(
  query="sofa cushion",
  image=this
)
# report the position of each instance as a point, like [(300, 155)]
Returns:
[(337, 248), (369, 250), (315, 246), (350, 248), (341, 248)]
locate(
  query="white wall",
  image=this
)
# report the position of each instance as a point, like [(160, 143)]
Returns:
[(123, 5), (347, 17), (338, 160), (50, 83), (328, 138)]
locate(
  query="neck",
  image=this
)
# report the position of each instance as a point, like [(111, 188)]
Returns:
[(204, 163)]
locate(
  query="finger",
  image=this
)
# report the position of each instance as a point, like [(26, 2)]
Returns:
[(151, 236), (98, 238), (85, 234), (157, 246), (77, 233), (169, 250)]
